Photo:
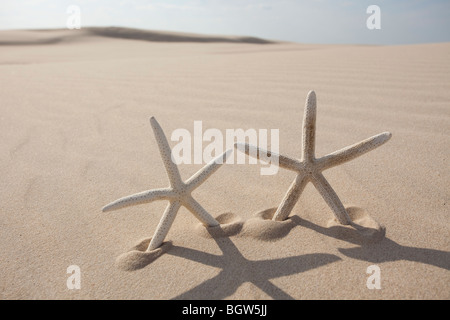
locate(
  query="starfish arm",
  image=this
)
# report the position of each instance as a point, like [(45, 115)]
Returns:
[(259, 153), (164, 225), (199, 212), (138, 198), (291, 198), (353, 151), (309, 127), (205, 172), (331, 198), (166, 153)]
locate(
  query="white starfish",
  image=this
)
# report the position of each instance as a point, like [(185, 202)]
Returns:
[(309, 169), (178, 194)]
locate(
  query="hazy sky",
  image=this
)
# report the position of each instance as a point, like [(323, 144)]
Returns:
[(308, 21)]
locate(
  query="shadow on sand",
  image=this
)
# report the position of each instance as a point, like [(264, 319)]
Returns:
[(236, 270), (384, 250)]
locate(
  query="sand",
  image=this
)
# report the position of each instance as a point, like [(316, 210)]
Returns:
[(75, 109)]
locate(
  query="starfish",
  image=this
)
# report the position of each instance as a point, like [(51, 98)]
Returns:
[(178, 194), (309, 169)]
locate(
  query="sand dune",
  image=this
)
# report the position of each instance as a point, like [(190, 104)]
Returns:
[(52, 36), (76, 135)]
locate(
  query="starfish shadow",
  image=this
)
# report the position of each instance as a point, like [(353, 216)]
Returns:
[(385, 250), (237, 270), (389, 250)]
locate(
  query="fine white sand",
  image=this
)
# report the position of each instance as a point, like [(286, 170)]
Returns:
[(75, 109)]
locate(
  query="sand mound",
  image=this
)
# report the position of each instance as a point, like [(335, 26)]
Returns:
[(162, 36), (362, 229), (137, 257), (230, 224), (262, 227), (53, 36), (44, 36)]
